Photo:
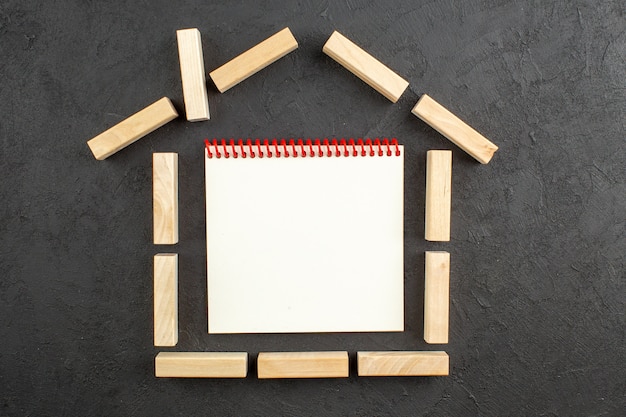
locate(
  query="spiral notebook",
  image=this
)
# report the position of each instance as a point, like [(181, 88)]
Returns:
[(304, 236)]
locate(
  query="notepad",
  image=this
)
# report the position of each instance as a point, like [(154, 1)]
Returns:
[(304, 236)]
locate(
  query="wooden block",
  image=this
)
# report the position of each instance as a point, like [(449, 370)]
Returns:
[(254, 60), (303, 365), (192, 74), (165, 197), (201, 364), (453, 128), (133, 128), (437, 297), (438, 195), (166, 299), (402, 363), (380, 77)]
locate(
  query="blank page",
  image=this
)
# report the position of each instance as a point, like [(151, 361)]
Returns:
[(304, 244)]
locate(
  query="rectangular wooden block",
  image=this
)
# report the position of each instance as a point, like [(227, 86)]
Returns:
[(253, 60), (192, 74), (453, 128), (133, 128), (437, 297), (303, 365), (376, 74), (438, 195), (165, 299), (402, 363), (201, 364), (165, 198)]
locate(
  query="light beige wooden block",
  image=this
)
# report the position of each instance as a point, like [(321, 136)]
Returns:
[(303, 365), (453, 128), (165, 299), (438, 195), (437, 297), (201, 364), (133, 128), (376, 74), (402, 363), (253, 60), (192, 74), (165, 198)]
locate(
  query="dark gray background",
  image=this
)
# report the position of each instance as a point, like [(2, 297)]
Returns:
[(538, 277)]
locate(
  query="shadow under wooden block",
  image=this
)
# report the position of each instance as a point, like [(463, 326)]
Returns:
[(201, 364), (303, 365), (403, 363)]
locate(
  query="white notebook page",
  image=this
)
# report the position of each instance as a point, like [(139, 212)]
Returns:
[(305, 244)]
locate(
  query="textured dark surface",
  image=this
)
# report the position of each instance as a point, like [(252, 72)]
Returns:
[(538, 276)]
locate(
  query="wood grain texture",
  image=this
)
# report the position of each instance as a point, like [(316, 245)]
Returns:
[(133, 128), (253, 60), (165, 299), (303, 365), (192, 74), (376, 74), (438, 195), (201, 364), (165, 198), (453, 128), (436, 297), (402, 363)]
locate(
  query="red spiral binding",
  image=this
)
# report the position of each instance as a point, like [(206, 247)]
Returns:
[(283, 148)]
